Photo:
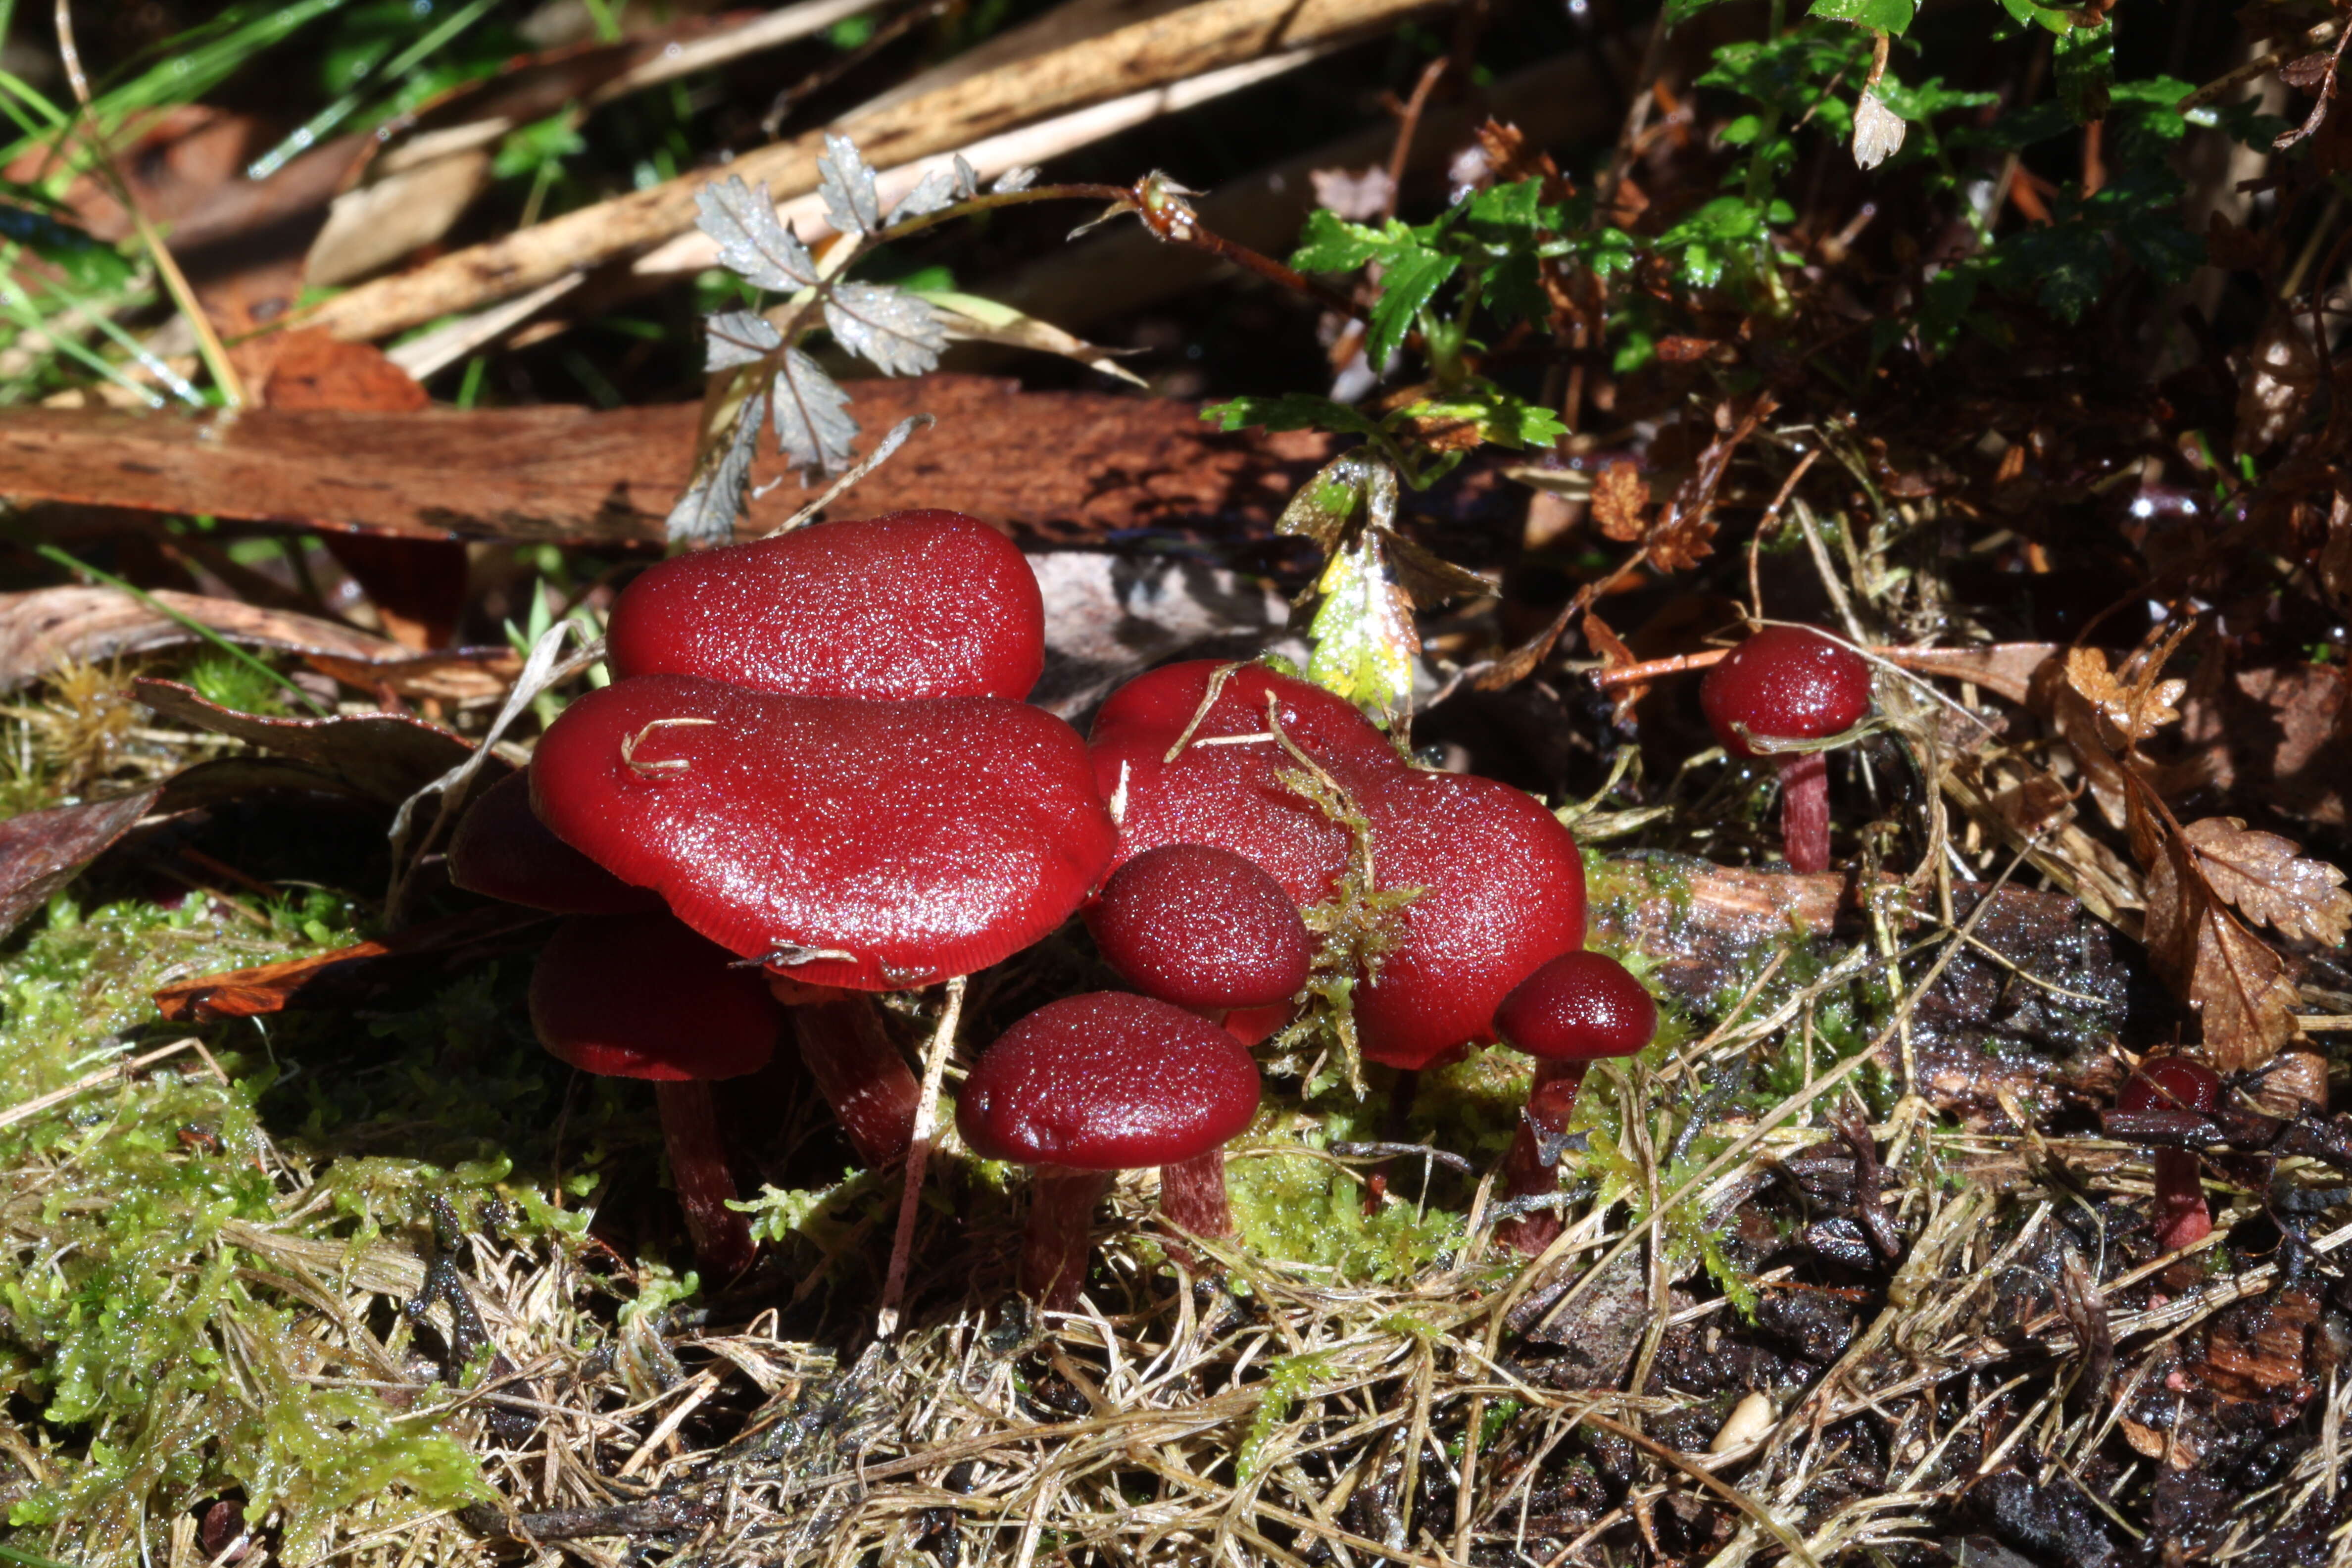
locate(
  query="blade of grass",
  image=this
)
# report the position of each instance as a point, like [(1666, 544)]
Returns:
[(335, 113), (148, 601), (215, 354)]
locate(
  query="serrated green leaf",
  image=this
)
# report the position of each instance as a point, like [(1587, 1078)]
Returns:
[(1363, 632), (1291, 411), (2085, 62), (1412, 277), (1886, 15), (1332, 244), (1519, 205)]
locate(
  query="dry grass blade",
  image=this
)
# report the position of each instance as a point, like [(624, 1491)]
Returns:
[(1201, 38)]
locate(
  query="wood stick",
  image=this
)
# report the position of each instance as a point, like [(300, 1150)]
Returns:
[(1201, 38)]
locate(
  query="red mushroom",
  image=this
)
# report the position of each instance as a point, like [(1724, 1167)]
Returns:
[(1104, 1082), (1205, 929), (2175, 1085), (1790, 683), (503, 851), (914, 605), (642, 996), (1575, 1010), (870, 846), (1498, 884), (860, 846)]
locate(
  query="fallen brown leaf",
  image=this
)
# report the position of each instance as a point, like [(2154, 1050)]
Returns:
[(46, 628), (385, 757), (2262, 874), (274, 987), (2230, 978), (41, 851), (1620, 497)]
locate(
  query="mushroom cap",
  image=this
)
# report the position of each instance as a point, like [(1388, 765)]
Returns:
[(642, 996), (914, 605), (2170, 1083), (1579, 1007), (503, 851), (1201, 926), (1502, 891), (912, 841), (1785, 683), (1501, 883), (1230, 796), (1107, 1081)]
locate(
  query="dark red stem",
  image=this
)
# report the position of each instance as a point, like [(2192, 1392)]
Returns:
[(2181, 1217), (1805, 810), (698, 1169), (1061, 1233), (1524, 1174), (860, 1073), (1192, 1195)]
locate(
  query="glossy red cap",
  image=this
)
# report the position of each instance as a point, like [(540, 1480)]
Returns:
[(920, 839), (2170, 1083), (1785, 683), (1108, 1081), (916, 604), (502, 850), (1502, 883), (1230, 796), (1502, 891), (642, 996), (1202, 928), (1579, 1007)]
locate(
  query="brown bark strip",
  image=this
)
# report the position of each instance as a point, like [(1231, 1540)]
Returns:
[(1057, 467), (1145, 54)]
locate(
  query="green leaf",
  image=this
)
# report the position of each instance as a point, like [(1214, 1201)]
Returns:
[(1681, 11), (1519, 205), (2085, 61), (1324, 504), (1363, 632), (30, 220), (1335, 245), (1291, 411), (1412, 277), (1886, 15)]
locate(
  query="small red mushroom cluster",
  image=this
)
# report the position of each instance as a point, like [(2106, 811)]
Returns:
[(813, 778)]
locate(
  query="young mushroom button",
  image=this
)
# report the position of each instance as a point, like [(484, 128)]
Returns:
[(1203, 928), (1575, 1010), (642, 996), (1790, 683), (1099, 1083)]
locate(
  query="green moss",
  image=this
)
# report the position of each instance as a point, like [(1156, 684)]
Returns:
[(1297, 1204)]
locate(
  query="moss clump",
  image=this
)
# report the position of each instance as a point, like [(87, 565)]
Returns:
[(1297, 1205)]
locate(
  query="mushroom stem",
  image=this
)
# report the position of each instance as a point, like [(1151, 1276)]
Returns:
[(1525, 1173), (1061, 1233), (697, 1168), (1192, 1195), (1805, 810), (2182, 1216), (863, 1078)]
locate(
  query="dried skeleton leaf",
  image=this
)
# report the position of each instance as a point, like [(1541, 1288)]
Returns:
[(1620, 497)]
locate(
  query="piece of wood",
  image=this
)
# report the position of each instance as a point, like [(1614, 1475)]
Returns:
[(1058, 467), (1200, 37)]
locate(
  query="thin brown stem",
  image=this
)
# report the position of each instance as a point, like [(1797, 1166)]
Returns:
[(1408, 123), (849, 1055), (698, 1169), (1805, 810), (1525, 1173), (1192, 1195), (1060, 1237)]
